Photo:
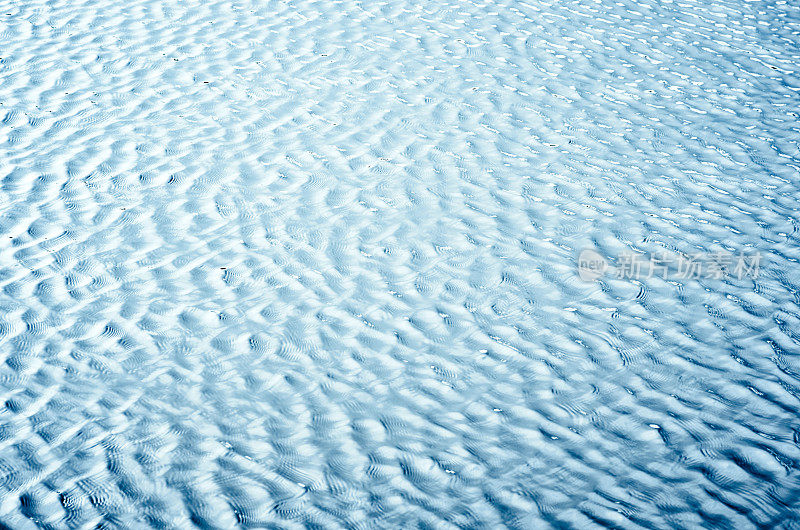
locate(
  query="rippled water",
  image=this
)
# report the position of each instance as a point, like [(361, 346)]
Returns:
[(314, 264)]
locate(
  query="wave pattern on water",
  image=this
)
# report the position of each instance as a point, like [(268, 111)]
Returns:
[(313, 263)]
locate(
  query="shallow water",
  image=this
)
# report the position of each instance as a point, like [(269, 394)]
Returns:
[(315, 264)]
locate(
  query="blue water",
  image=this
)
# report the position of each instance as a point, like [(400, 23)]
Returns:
[(315, 264)]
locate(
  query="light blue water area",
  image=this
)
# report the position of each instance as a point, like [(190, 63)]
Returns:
[(314, 264)]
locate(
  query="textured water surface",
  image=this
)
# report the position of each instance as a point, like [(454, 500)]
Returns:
[(313, 264)]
